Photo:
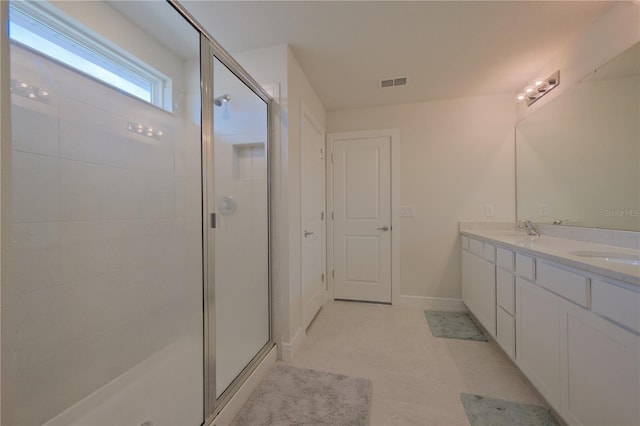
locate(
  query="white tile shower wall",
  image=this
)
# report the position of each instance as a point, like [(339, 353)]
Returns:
[(106, 223), (36, 187)]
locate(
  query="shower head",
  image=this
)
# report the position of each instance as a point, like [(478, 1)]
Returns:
[(220, 99)]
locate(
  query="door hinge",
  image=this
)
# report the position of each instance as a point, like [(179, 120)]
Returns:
[(322, 278), (331, 215), (332, 157), (213, 221), (333, 273), (321, 215), (322, 153)]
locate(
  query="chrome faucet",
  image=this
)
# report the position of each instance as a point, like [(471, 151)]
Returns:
[(529, 227)]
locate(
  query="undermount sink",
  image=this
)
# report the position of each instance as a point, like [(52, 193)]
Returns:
[(627, 258)]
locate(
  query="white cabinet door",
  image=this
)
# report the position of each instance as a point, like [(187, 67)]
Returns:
[(600, 371), (479, 289), (467, 273), (506, 332), (538, 338)]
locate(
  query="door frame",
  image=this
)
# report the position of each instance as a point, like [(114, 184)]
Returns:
[(394, 136), (305, 111)]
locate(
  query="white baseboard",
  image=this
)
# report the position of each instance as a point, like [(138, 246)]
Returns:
[(433, 303), (289, 349), (235, 404)]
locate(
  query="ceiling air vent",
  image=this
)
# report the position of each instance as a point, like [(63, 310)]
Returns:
[(391, 82)]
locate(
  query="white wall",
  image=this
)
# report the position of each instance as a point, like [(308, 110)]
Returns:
[(277, 65), (608, 36), (455, 156)]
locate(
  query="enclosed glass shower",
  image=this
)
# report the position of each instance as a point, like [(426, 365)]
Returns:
[(138, 285)]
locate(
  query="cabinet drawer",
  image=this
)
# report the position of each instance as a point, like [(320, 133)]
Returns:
[(465, 242), (568, 284), (525, 266), (506, 332), (506, 259), (476, 247), (505, 290), (489, 252), (616, 303)]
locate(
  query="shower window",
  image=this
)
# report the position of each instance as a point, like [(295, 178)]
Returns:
[(39, 27)]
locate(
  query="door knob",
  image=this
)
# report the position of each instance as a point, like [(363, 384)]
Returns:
[(384, 228), (307, 233)]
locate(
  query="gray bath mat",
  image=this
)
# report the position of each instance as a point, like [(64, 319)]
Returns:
[(453, 325), (295, 396), (485, 411)]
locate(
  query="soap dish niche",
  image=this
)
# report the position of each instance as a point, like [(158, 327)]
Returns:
[(249, 161)]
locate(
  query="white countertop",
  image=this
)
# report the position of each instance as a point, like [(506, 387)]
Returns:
[(561, 250)]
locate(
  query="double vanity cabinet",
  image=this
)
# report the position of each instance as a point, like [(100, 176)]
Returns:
[(574, 333)]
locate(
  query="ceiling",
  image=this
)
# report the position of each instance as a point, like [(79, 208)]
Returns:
[(446, 49)]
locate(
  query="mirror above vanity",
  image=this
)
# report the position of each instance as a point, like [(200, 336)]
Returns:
[(578, 156)]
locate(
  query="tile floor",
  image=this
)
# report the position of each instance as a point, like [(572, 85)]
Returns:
[(417, 378)]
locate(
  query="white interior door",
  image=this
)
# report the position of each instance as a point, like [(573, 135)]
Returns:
[(313, 207), (362, 219)]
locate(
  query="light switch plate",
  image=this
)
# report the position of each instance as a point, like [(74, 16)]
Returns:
[(489, 210), (543, 209), (407, 211)]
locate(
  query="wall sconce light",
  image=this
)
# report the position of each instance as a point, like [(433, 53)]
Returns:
[(141, 129), (29, 91), (539, 88)]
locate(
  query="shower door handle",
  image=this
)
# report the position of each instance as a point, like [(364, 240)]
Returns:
[(384, 228), (307, 233)]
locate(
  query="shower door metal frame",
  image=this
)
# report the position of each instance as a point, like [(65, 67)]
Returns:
[(210, 49)]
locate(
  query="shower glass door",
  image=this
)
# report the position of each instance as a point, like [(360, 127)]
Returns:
[(102, 317), (239, 198)]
